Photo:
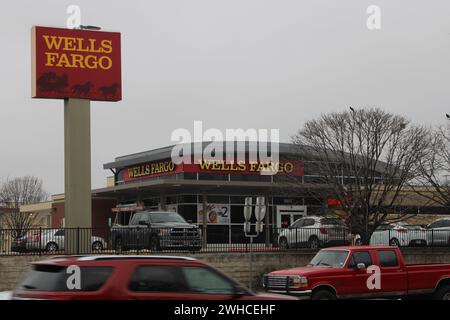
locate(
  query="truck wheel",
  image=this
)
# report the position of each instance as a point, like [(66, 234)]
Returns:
[(283, 243), (313, 243), (323, 295), (118, 245), (154, 244), (394, 242), (443, 293)]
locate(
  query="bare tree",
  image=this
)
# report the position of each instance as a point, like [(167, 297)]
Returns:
[(15, 193), (366, 157), (433, 181)]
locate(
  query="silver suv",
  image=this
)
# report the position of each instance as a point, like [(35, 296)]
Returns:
[(314, 232), (438, 232)]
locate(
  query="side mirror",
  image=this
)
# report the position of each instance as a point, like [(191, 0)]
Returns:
[(360, 266)]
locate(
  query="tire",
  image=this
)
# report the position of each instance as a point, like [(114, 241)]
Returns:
[(323, 295), (313, 243), (118, 245), (283, 243), (394, 242), (51, 247), (443, 293), (97, 246), (154, 244)]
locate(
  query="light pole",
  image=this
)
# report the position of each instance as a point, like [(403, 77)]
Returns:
[(260, 212)]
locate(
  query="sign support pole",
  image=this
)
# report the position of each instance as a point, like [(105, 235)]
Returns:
[(77, 175)]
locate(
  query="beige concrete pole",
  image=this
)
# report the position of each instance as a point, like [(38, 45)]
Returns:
[(77, 174)]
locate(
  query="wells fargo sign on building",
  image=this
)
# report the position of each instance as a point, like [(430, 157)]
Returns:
[(160, 168), (73, 63)]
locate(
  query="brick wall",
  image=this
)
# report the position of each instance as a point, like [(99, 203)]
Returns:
[(234, 264)]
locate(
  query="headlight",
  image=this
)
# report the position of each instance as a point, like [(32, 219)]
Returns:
[(298, 282)]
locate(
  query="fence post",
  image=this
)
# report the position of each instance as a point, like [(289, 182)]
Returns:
[(40, 241), (78, 240), (432, 237)]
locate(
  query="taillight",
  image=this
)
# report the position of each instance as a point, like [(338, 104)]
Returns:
[(323, 230), (402, 230), (37, 237)]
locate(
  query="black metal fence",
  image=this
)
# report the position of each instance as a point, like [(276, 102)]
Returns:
[(148, 240)]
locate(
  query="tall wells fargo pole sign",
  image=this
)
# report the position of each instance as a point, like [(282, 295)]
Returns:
[(78, 66), (73, 63)]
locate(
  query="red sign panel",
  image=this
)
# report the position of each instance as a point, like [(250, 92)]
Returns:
[(73, 63), (161, 168)]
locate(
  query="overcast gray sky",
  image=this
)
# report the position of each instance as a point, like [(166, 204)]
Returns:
[(232, 64)]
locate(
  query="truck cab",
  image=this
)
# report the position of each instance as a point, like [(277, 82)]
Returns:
[(361, 272), (157, 230)]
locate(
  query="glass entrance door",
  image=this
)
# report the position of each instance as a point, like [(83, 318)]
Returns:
[(286, 215)]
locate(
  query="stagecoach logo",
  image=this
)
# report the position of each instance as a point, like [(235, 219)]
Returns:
[(70, 63)]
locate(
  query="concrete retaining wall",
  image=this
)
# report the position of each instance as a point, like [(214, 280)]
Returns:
[(236, 265)]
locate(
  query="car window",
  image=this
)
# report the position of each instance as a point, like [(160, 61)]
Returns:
[(59, 232), (136, 218), (360, 257), (384, 227), (160, 217), (298, 223), (332, 221), (157, 279), (54, 278), (436, 224), (206, 280), (144, 218), (387, 258), (308, 222), (330, 258), (445, 223)]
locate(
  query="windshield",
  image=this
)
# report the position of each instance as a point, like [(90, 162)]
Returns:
[(163, 217), (332, 221), (329, 258)]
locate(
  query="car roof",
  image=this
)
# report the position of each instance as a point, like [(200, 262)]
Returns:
[(360, 247), (319, 217), (70, 259), (441, 219)]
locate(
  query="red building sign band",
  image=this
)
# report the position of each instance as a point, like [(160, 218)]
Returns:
[(161, 168)]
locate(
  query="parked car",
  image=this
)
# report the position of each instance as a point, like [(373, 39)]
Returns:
[(50, 240), (314, 232), (156, 230), (342, 272), (130, 277), (397, 234), (5, 295), (439, 232)]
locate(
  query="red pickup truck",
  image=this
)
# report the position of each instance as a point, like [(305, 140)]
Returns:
[(361, 272)]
